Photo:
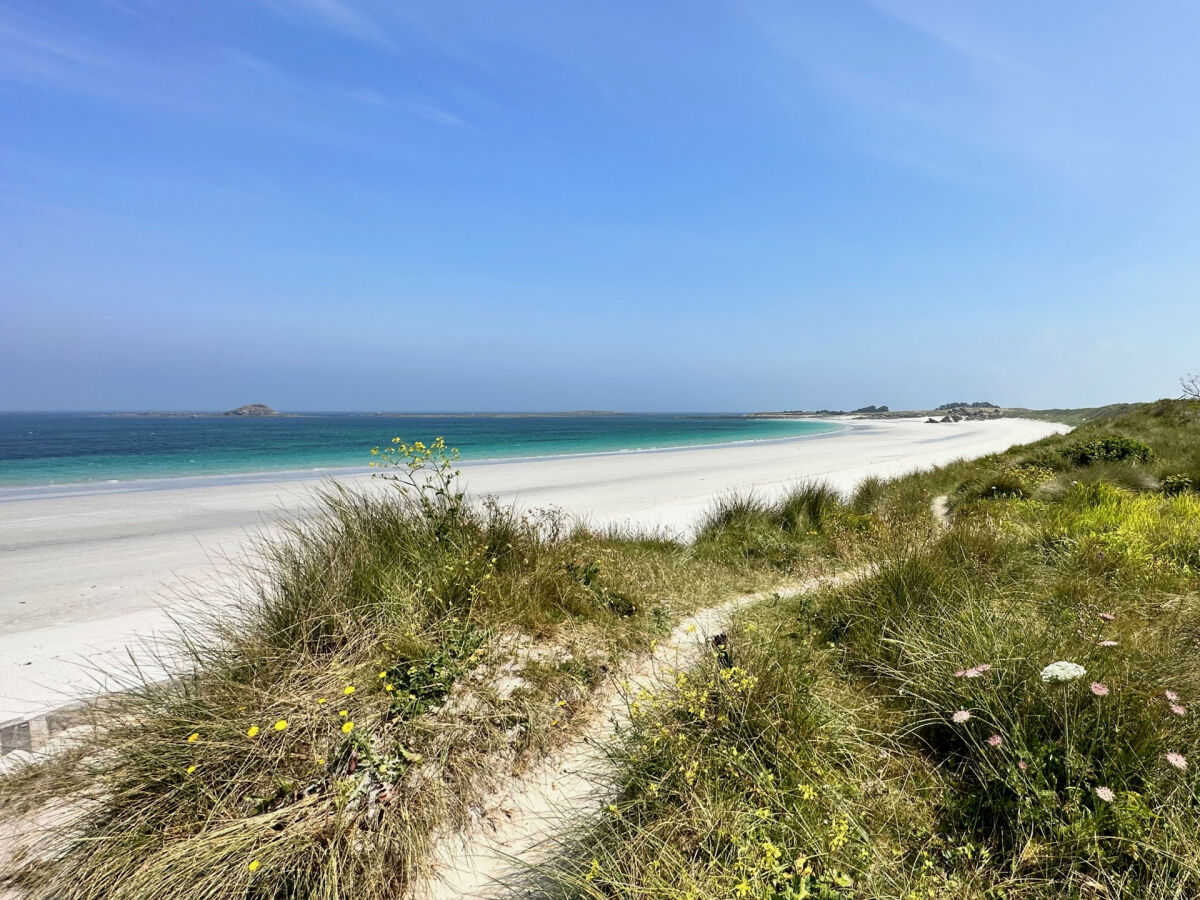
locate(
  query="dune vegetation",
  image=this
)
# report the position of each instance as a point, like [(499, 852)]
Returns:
[(1004, 707), (1004, 702)]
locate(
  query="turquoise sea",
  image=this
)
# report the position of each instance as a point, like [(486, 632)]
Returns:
[(56, 449)]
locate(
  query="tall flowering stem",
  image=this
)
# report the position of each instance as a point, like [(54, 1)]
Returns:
[(426, 475)]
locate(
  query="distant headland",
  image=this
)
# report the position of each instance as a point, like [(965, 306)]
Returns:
[(958, 411)]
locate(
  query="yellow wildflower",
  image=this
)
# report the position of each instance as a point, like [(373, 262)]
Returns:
[(320, 700), (252, 731), (389, 687), (343, 713), (281, 725), (191, 769), (348, 690), (254, 864), (193, 737), (347, 727)]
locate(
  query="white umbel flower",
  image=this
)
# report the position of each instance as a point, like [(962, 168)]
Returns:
[(1063, 671)]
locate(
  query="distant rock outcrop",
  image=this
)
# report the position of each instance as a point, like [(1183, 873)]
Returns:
[(872, 409), (973, 413), (251, 409)]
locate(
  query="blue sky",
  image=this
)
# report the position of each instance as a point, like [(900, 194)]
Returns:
[(363, 204)]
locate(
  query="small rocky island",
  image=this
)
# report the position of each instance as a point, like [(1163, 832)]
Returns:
[(251, 409)]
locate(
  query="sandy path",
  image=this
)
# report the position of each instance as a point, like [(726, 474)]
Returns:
[(83, 575), (521, 825)]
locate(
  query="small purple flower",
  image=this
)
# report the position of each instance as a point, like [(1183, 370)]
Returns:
[(1178, 709), (1099, 688), (995, 740), (1171, 695)]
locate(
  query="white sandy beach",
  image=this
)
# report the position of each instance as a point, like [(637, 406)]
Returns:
[(85, 576)]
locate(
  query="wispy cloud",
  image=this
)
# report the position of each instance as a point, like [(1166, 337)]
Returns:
[(953, 26), (338, 15), (945, 88), (428, 109), (31, 48), (369, 96)]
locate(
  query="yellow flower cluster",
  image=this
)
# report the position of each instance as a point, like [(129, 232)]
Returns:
[(280, 725)]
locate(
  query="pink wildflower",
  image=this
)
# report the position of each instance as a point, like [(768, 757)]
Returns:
[(961, 716), (1107, 616), (1108, 643), (974, 671), (1171, 695), (1022, 765), (1106, 794), (1100, 689), (995, 740), (1178, 760), (1178, 710)]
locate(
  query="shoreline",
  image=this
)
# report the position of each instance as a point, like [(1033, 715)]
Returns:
[(16, 493), (87, 577)]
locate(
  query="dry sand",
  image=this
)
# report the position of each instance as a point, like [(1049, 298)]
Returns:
[(86, 580)]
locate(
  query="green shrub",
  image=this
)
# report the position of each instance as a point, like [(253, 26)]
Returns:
[(1177, 484), (1108, 449)]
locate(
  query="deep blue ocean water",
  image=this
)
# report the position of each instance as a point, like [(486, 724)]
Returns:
[(73, 448)]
